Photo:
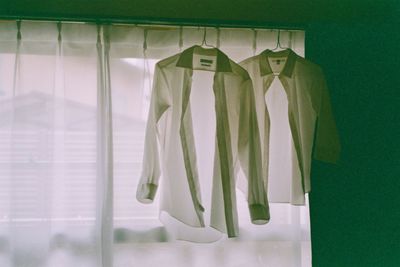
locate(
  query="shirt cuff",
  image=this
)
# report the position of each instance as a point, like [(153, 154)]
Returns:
[(146, 193), (259, 214)]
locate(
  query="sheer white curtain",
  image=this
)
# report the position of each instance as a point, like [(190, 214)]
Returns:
[(56, 153), (73, 102)]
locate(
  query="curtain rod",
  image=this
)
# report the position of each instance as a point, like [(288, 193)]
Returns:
[(161, 22)]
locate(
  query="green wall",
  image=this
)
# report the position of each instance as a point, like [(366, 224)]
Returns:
[(355, 206)]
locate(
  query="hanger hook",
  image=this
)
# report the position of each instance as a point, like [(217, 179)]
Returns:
[(204, 42), (204, 37), (278, 42)]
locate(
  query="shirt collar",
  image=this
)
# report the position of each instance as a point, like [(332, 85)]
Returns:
[(265, 67), (186, 59)]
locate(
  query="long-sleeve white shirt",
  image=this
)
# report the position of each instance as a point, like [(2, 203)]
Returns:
[(304, 105), (170, 133)]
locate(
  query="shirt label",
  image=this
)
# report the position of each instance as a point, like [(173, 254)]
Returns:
[(206, 62), (277, 64), (203, 62), (278, 61)]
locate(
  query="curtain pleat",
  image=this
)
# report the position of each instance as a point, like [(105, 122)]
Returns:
[(104, 216)]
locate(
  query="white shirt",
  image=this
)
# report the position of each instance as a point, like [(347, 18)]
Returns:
[(170, 131), (289, 122)]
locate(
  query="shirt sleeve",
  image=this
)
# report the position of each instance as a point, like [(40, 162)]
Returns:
[(159, 103), (249, 151), (327, 145)]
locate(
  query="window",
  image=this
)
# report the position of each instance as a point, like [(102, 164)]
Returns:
[(51, 199)]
